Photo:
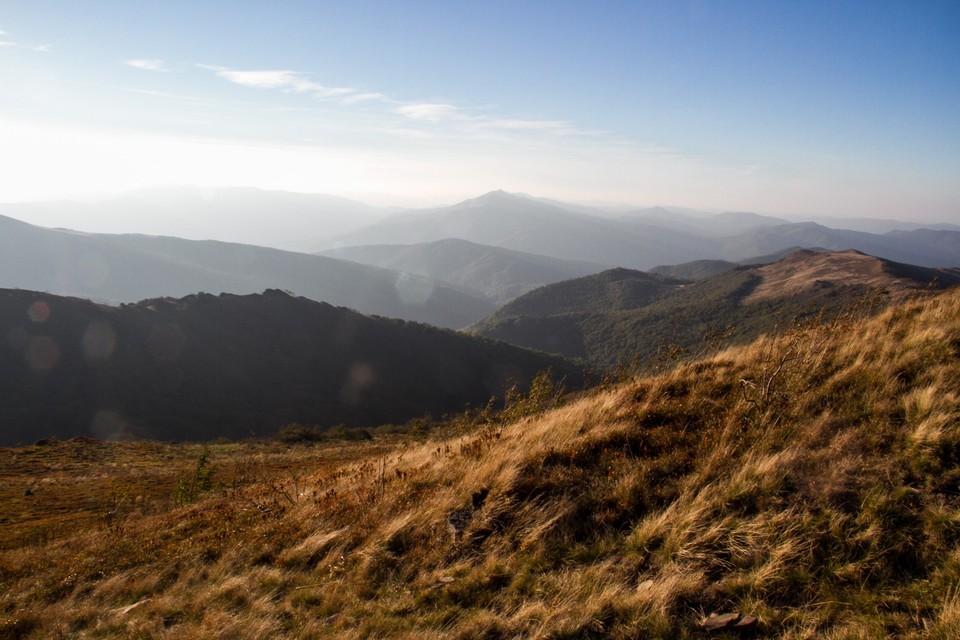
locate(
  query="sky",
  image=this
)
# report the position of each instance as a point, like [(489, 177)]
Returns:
[(840, 108)]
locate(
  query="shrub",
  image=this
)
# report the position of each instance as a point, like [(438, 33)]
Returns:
[(190, 487), (296, 432)]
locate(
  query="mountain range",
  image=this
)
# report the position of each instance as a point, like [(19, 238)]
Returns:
[(641, 239), (491, 248), (532, 226), (128, 268), (782, 461), (206, 366), (447, 266)]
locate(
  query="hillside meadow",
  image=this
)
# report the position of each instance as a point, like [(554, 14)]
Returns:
[(810, 480), (623, 317)]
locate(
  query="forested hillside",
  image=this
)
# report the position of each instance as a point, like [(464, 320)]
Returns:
[(206, 366)]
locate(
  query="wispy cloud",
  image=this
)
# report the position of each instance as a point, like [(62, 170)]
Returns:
[(149, 65), (362, 97), (433, 117), (534, 125), (285, 80), (425, 113), (39, 48), (478, 123), (430, 111)]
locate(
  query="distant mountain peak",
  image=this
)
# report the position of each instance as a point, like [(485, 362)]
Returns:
[(493, 197)]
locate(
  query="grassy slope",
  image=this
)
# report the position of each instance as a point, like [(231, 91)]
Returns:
[(811, 479)]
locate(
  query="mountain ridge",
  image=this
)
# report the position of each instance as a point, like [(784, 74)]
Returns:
[(739, 303)]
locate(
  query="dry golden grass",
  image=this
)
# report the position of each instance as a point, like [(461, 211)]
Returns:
[(806, 271), (811, 479)]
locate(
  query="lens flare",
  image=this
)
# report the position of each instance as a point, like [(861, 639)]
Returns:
[(359, 378), (39, 311), (99, 341), (43, 353), (413, 292), (108, 425)]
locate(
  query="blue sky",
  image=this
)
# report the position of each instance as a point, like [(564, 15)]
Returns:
[(834, 108)]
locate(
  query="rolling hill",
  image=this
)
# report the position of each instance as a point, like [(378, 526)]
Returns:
[(127, 268), (801, 486), (206, 366), (739, 303), (611, 290), (498, 273)]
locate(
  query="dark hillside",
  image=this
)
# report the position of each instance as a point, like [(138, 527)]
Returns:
[(695, 270), (611, 290), (206, 366), (605, 338)]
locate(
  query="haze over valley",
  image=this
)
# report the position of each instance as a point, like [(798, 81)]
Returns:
[(434, 319)]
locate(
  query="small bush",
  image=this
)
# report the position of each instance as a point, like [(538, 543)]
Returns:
[(295, 433), (190, 487), (342, 432)]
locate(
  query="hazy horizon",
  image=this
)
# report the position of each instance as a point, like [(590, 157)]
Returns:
[(819, 109)]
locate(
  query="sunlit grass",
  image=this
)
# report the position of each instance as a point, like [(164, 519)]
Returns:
[(822, 499)]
